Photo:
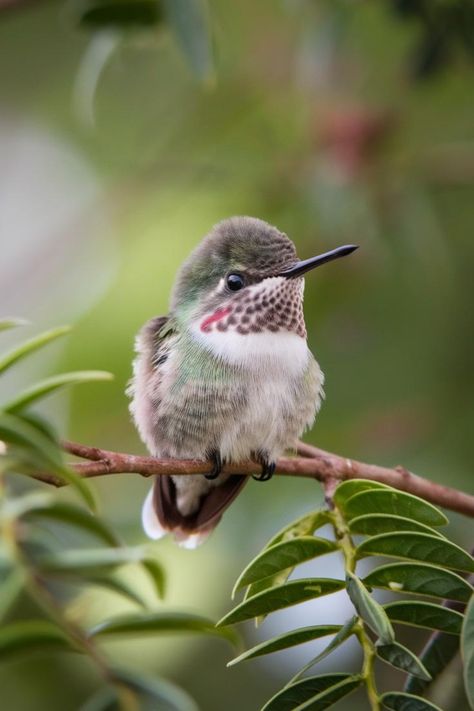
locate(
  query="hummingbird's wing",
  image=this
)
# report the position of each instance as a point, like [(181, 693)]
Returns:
[(212, 505)]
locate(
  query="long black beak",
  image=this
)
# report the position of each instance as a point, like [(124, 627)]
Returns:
[(304, 266)]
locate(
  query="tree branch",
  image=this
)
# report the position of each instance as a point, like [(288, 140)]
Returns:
[(310, 462)]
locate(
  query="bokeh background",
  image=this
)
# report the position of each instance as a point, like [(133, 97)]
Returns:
[(338, 122)]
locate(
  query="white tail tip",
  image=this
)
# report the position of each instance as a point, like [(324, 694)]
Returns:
[(150, 523)]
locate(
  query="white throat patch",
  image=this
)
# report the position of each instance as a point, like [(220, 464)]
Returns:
[(282, 350)]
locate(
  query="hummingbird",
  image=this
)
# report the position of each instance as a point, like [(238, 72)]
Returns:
[(227, 375)]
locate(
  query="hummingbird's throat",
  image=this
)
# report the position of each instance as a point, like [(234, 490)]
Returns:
[(274, 305), (213, 318)]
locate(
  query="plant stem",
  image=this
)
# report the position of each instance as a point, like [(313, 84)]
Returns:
[(349, 552)]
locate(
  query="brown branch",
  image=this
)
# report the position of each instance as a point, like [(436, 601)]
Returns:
[(311, 462)]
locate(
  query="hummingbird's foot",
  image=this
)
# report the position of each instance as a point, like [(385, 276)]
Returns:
[(215, 456), (267, 471)]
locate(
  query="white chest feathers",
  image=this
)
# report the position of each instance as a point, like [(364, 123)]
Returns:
[(282, 352)]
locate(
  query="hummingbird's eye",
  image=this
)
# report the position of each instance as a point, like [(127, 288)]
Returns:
[(235, 282)]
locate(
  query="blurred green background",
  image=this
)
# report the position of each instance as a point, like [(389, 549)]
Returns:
[(323, 120)]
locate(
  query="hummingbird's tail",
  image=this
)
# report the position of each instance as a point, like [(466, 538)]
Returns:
[(160, 514)]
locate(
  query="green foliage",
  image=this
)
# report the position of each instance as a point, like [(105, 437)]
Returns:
[(188, 20), (394, 525), (37, 564)]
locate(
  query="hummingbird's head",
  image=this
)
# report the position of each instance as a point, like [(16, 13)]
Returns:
[(245, 277)]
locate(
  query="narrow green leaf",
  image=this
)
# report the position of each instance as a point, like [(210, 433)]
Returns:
[(400, 701), (425, 614), (49, 385), (38, 451), (438, 652), (417, 546), (190, 22), (31, 345), (163, 695), (10, 588), (280, 597), (105, 699), (351, 487), (16, 431), (319, 692), (284, 555), (152, 623), (30, 636), (346, 631), (286, 640), (112, 581), (420, 579), (303, 526), (467, 650), (152, 694), (86, 560), (74, 516), (395, 503), (369, 609), (402, 658), (120, 14), (6, 323), (374, 524), (41, 424), (156, 573)]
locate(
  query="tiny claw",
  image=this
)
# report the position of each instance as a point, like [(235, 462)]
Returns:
[(268, 469), (217, 467)]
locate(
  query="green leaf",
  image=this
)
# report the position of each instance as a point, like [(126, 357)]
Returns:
[(400, 701), (86, 560), (286, 640), (163, 695), (439, 651), (124, 14), (303, 526), (6, 323), (344, 633), (10, 588), (41, 452), (49, 385), (15, 430), (368, 609), (395, 503), (190, 23), (425, 614), (31, 345), (32, 635), (417, 546), (374, 524), (420, 579), (283, 556), (156, 573), (351, 487), (402, 658), (160, 622), (112, 581), (280, 597), (467, 650), (74, 516), (315, 693), (153, 694)]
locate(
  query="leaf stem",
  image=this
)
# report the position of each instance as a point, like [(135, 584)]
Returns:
[(349, 553)]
